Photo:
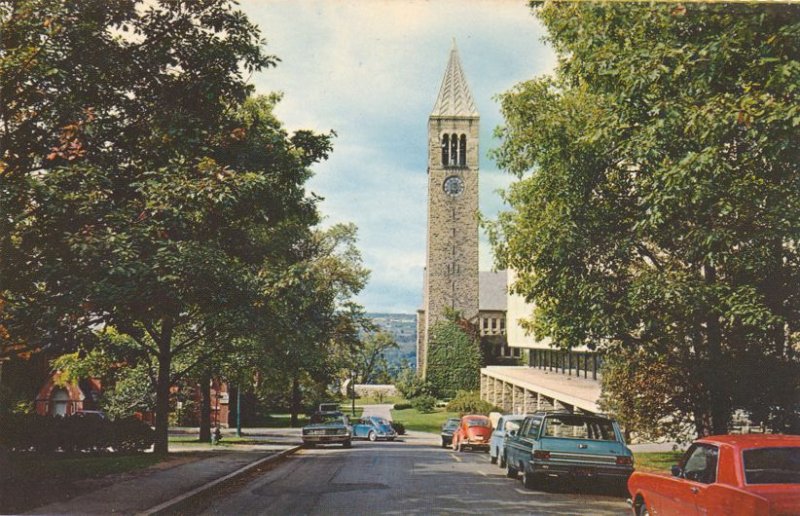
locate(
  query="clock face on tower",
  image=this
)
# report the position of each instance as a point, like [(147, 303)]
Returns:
[(453, 185)]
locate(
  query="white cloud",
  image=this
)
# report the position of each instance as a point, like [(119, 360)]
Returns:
[(371, 70)]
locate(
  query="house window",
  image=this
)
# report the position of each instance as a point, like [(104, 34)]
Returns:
[(453, 150), (445, 150), (462, 154), (59, 402)]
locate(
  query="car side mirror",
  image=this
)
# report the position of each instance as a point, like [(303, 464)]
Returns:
[(677, 471), (512, 433)]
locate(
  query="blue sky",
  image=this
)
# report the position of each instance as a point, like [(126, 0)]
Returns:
[(371, 71)]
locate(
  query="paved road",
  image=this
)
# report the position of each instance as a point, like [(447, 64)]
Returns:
[(384, 411), (410, 477)]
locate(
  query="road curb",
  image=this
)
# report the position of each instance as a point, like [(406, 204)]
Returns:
[(172, 505)]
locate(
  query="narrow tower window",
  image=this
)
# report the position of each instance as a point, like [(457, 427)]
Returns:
[(462, 151), (453, 150), (445, 150)]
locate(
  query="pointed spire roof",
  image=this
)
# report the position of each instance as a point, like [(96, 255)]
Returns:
[(455, 97)]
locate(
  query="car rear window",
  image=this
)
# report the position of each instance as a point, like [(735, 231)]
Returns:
[(772, 465), (579, 427), (479, 422)]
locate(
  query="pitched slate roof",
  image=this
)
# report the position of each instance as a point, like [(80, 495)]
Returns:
[(455, 97)]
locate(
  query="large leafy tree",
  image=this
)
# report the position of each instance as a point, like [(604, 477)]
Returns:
[(370, 362), (148, 196), (656, 212), (307, 345)]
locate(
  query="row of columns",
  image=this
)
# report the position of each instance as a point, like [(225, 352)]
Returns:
[(566, 362), (513, 399)]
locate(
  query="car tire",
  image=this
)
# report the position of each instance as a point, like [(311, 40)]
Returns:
[(444, 443), (309, 445), (528, 479), (511, 471), (347, 444), (493, 458), (502, 461), (372, 436), (643, 510)]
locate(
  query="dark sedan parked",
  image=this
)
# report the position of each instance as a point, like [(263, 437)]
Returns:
[(449, 426), (328, 428)]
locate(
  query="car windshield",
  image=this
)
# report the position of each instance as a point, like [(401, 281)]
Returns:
[(450, 425), (479, 422), (579, 427), (772, 465), (326, 418)]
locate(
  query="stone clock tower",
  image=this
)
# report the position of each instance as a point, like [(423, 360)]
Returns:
[(451, 268)]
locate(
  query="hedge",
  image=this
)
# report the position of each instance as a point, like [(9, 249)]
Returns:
[(48, 434)]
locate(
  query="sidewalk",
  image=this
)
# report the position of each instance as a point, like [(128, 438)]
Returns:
[(143, 490)]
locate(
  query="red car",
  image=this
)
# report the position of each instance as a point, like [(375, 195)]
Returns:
[(473, 431), (725, 475)]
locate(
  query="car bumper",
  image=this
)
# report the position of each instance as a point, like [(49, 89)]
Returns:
[(325, 439), (474, 443), (578, 470)]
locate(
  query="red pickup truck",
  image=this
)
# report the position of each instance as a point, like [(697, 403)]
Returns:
[(740, 475)]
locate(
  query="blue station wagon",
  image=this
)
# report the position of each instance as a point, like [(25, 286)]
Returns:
[(559, 445), (374, 428)]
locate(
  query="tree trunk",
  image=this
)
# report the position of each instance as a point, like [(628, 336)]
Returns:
[(295, 409), (161, 446), (205, 407), (716, 368)]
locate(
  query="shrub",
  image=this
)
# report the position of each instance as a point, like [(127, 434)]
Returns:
[(47, 434), (409, 385), (424, 403), (470, 402), (400, 428), (402, 406)]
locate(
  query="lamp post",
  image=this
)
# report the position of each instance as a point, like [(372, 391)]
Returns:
[(353, 392), (238, 410)]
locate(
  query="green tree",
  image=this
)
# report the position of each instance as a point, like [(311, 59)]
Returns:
[(454, 358), (655, 213), (151, 199), (370, 357), (308, 343)]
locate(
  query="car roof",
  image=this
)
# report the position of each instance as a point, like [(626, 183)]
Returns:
[(752, 440), (473, 416), (512, 417)]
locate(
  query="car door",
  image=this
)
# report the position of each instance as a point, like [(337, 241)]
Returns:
[(683, 494), (361, 428), (700, 471), (521, 445)]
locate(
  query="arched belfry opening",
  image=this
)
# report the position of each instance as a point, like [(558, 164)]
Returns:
[(454, 150)]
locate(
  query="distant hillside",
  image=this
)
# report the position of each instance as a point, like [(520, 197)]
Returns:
[(403, 327)]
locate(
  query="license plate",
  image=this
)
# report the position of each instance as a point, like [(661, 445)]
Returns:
[(583, 472)]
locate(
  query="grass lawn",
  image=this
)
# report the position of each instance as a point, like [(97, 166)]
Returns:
[(372, 400), (415, 420), (39, 479), (281, 421), (656, 462)]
